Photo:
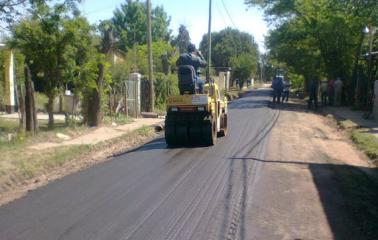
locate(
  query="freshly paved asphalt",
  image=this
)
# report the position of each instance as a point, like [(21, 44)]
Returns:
[(155, 192)]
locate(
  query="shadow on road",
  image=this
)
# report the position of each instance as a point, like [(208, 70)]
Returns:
[(348, 194)]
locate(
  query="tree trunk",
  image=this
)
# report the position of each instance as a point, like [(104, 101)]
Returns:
[(21, 102), (50, 110), (31, 121), (94, 105)]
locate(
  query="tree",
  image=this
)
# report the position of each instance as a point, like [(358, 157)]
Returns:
[(54, 43), (138, 57), (319, 37), (182, 40), (233, 48), (130, 24), (244, 67), (10, 10)]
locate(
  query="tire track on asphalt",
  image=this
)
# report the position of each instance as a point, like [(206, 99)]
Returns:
[(249, 176), (156, 207)]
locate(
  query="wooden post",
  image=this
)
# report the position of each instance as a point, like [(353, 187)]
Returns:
[(150, 68), (31, 121), (209, 43)]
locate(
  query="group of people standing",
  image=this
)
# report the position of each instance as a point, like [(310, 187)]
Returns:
[(281, 89), (330, 92)]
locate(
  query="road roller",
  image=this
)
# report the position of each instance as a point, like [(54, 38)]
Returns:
[(196, 119)]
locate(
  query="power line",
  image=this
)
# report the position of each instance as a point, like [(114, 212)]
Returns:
[(221, 14), (229, 15)]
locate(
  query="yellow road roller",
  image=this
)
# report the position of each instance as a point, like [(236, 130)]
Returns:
[(196, 119)]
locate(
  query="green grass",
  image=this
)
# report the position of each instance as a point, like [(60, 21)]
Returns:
[(367, 142), (21, 140), (144, 131), (348, 124), (37, 163), (19, 164), (120, 120), (8, 126)]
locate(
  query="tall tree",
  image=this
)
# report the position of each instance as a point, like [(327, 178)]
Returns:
[(319, 37), (233, 48), (53, 42), (130, 28), (11, 10), (182, 40)]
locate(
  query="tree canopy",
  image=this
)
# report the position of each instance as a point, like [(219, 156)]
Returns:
[(235, 49), (323, 38), (129, 22), (54, 44), (182, 40)]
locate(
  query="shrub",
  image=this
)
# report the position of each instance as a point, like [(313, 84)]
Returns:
[(165, 85)]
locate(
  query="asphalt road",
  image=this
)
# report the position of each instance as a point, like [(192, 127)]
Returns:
[(155, 192)]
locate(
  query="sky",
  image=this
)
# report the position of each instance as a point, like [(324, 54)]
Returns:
[(194, 15)]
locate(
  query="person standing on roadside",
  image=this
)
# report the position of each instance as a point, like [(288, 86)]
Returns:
[(324, 92), (286, 90), (313, 92), (338, 89), (278, 86)]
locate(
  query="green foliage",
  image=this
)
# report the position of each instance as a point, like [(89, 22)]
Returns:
[(129, 22), (159, 48), (233, 48), (165, 85), (54, 44), (366, 142), (87, 84), (244, 66), (319, 38), (41, 101), (297, 81), (182, 40), (11, 10)]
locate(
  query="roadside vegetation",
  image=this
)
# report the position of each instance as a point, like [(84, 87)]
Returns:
[(326, 39), (21, 166), (367, 142)]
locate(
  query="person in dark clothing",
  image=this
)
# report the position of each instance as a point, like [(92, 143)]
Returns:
[(194, 58), (278, 87), (313, 91), (286, 90)]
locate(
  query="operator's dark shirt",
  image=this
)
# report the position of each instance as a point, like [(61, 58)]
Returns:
[(192, 60)]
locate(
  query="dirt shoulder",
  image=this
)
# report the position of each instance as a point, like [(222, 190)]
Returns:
[(38, 164), (323, 186)]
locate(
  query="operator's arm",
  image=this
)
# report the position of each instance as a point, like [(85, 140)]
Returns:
[(198, 60), (202, 60)]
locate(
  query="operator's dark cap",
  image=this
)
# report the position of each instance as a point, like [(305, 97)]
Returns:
[(191, 47)]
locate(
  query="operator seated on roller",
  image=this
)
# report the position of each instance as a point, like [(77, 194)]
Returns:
[(193, 58)]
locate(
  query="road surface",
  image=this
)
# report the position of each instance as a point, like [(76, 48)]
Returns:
[(156, 193)]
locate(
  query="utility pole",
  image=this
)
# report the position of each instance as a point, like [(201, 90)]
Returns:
[(150, 68), (209, 44), (371, 31)]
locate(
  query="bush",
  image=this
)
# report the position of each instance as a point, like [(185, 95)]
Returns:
[(366, 142), (297, 81), (165, 85), (41, 102)]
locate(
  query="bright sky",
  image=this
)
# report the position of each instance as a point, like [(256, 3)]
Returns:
[(194, 15)]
